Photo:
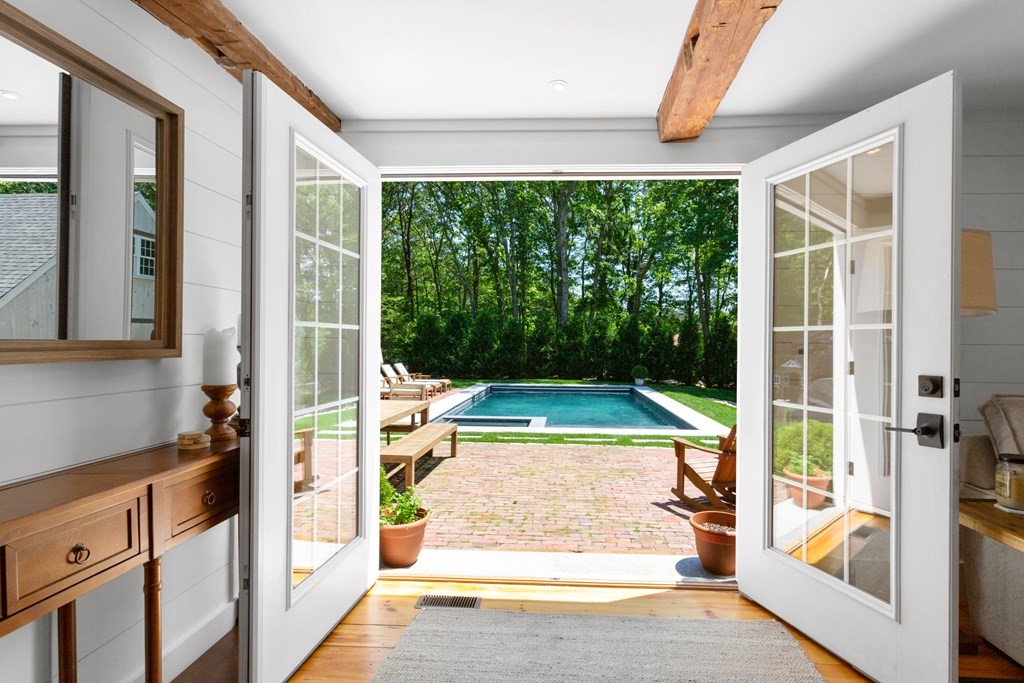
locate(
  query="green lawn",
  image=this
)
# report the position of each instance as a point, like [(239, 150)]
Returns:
[(704, 401), (328, 420)]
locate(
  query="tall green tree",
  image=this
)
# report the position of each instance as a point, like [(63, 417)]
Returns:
[(562, 278)]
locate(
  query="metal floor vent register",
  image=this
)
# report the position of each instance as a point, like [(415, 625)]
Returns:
[(448, 601)]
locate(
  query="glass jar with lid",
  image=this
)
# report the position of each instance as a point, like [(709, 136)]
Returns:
[(1010, 481)]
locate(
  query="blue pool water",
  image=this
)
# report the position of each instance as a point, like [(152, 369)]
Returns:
[(617, 408)]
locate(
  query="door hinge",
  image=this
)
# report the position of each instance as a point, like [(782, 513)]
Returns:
[(244, 427), (849, 468), (956, 387), (853, 267), (956, 432), (851, 367)]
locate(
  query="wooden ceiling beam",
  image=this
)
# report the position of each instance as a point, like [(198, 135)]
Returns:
[(214, 28), (718, 39)]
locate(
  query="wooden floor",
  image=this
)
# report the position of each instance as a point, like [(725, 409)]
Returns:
[(988, 664), (361, 643)]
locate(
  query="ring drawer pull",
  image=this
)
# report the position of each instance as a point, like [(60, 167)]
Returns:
[(79, 554), (209, 498)]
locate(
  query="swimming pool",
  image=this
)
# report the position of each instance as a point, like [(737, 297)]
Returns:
[(570, 408)]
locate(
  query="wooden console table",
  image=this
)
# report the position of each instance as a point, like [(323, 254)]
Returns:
[(64, 534)]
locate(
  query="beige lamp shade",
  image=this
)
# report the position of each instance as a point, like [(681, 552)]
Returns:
[(977, 275)]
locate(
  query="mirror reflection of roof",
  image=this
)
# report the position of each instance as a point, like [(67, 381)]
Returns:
[(28, 236)]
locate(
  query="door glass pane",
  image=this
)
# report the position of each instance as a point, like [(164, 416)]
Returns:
[(871, 357), (871, 294), (790, 364), (350, 217), (869, 542), (790, 214), (828, 203), (305, 280), (821, 387), (789, 290), (832, 371), (825, 270), (329, 204), (349, 289), (329, 285), (325, 397), (788, 442), (305, 192), (872, 190)]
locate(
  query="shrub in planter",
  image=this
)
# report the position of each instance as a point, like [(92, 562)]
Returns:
[(639, 373), (403, 521), (788, 459)]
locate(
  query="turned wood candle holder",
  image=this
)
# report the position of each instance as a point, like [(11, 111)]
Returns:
[(219, 409)]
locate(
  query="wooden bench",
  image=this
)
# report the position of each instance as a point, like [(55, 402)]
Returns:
[(407, 450)]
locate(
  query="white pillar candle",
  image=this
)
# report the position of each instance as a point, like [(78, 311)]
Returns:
[(219, 357)]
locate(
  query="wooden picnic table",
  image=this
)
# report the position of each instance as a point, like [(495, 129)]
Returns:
[(393, 410)]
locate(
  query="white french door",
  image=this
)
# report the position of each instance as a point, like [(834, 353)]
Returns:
[(848, 251), (311, 314)]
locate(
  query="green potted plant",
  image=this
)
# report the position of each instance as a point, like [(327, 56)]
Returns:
[(788, 460), (639, 373), (403, 521)]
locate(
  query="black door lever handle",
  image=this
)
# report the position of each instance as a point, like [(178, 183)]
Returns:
[(928, 430), (923, 430)]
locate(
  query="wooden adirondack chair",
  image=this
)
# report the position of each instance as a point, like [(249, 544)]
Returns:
[(715, 479)]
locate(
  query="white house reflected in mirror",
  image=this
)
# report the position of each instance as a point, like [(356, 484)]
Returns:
[(78, 223)]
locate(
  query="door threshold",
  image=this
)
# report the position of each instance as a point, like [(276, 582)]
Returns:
[(564, 569)]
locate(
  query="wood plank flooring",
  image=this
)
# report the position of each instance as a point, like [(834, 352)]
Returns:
[(360, 644), (988, 664)]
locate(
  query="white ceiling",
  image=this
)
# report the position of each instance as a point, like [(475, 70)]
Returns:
[(463, 59), (35, 79)]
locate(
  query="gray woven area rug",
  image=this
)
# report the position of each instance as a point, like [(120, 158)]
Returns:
[(492, 646)]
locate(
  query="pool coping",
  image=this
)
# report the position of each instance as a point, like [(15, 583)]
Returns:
[(703, 425)]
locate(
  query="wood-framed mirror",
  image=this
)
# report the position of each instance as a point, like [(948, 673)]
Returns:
[(91, 205)]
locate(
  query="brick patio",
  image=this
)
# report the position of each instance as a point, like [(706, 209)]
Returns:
[(605, 499)]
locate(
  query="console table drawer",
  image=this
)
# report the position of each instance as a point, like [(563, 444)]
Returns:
[(196, 500), (42, 564)]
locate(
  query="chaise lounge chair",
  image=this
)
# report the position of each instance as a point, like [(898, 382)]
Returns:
[(403, 373), (715, 479), (396, 380), (387, 391)]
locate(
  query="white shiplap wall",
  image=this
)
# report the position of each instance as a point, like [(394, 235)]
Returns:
[(992, 351), (53, 416)]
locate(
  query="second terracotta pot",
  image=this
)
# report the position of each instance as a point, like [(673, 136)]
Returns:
[(811, 500)]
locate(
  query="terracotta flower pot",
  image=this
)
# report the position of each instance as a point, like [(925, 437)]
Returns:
[(813, 499), (717, 551), (400, 544)]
